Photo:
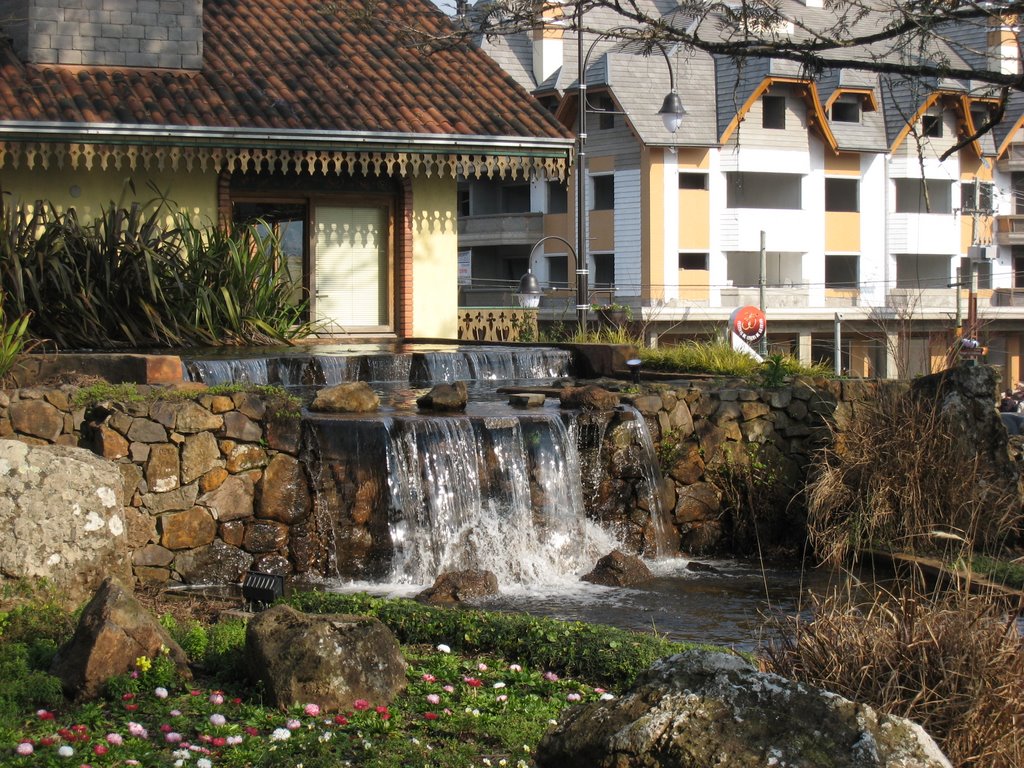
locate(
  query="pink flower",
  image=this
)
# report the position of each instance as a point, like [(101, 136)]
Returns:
[(449, 689), (136, 730), (550, 676), (292, 724), (216, 698), (172, 737), (599, 690), (573, 697), (115, 739), (312, 710), (160, 693), (515, 668), (482, 667), (25, 748), (502, 697), (429, 678), (361, 704), (433, 698), (217, 719)]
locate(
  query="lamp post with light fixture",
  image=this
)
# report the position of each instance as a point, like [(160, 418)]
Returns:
[(671, 112), (529, 292)]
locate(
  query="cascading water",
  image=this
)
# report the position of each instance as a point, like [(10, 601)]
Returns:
[(335, 369), (662, 527), (251, 370), (493, 364), (495, 493)]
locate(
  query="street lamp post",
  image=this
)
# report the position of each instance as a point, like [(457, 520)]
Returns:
[(671, 111), (529, 292)]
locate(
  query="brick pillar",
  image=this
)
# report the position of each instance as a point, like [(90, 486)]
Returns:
[(224, 199), (403, 263)]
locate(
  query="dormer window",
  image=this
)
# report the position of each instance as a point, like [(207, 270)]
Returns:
[(846, 111), (773, 112), (931, 125)]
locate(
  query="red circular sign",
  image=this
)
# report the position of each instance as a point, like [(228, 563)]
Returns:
[(749, 323)]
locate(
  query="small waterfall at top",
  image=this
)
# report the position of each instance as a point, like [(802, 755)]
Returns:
[(394, 367), (336, 369), (493, 364), (249, 370)]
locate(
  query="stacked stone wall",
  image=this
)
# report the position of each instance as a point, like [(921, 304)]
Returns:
[(215, 485)]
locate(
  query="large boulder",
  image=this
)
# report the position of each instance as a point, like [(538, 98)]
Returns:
[(703, 708), (445, 397), (456, 586), (348, 397), (588, 398), (617, 569), (114, 630), (329, 660), (61, 517)]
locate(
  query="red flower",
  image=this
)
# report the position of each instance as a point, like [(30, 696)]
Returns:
[(100, 749), (45, 714), (127, 696), (219, 741), (165, 728), (472, 682), (341, 720), (251, 730), (79, 728), (46, 741), (236, 700), (131, 707), (64, 733), (195, 693), (429, 716), (361, 704)]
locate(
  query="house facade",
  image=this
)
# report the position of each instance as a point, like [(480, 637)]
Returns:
[(832, 196), (322, 119)]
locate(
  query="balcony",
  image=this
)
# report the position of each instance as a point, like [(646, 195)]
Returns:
[(936, 233), (1010, 230), (500, 229), (785, 230), (1013, 159)]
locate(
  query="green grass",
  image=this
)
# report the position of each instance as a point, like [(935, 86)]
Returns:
[(482, 690), (1008, 573), (720, 359)]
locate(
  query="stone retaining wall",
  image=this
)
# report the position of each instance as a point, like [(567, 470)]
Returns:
[(215, 485)]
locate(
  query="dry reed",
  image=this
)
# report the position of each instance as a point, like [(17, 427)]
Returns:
[(952, 662)]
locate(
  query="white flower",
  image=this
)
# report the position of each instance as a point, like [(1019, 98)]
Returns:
[(280, 734), (204, 762), (65, 751), (443, 648), (499, 684), (217, 719), (181, 754), (160, 693), (606, 697)]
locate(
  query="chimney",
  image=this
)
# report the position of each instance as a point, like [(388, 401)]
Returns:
[(106, 33), (547, 41)]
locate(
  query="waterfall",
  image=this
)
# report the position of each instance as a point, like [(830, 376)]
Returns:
[(250, 370), (661, 524), (387, 367), (494, 364), (501, 494), (335, 369)]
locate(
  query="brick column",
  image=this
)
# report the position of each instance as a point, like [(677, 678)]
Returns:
[(403, 263)]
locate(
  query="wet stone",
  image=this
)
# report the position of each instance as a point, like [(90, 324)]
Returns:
[(265, 536)]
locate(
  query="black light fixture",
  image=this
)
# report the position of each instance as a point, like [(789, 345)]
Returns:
[(634, 369), (528, 295), (260, 590), (672, 111)]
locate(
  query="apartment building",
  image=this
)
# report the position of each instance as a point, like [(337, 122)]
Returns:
[(842, 180)]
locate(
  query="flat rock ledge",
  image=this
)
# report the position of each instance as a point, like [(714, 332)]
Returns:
[(704, 709)]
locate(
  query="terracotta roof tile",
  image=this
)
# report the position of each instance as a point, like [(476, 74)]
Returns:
[(291, 65)]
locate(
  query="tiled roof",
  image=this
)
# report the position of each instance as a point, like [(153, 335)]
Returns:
[(302, 65)]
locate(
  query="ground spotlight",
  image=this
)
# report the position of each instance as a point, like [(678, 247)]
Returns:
[(260, 590)]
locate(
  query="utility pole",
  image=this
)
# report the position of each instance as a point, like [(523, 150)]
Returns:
[(763, 344)]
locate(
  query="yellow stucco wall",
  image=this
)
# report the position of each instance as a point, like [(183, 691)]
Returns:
[(842, 232), (974, 229), (434, 259), (90, 191)]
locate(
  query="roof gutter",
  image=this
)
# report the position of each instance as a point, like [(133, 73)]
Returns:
[(188, 136)]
